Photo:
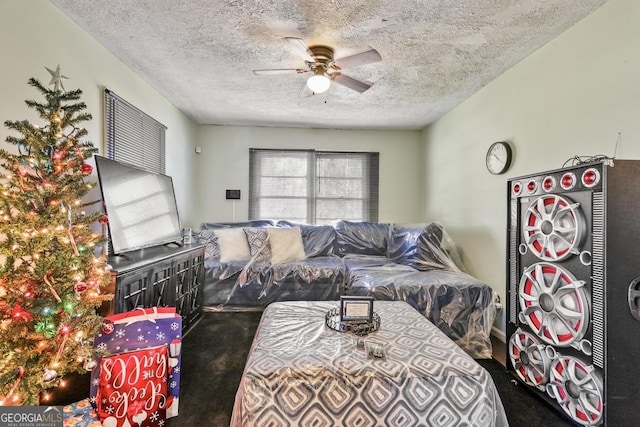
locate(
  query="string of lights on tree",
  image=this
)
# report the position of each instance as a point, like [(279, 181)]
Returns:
[(51, 268)]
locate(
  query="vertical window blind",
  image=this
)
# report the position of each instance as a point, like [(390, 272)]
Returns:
[(313, 187), (132, 136)]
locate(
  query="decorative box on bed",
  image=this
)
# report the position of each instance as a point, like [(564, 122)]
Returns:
[(250, 265), (300, 372)]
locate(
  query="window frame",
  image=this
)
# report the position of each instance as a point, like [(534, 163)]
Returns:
[(370, 180)]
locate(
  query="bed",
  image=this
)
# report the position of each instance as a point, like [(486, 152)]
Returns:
[(300, 372)]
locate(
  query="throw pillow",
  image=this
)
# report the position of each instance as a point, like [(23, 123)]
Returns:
[(259, 247), (286, 245), (318, 240), (210, 242), (233, 244)]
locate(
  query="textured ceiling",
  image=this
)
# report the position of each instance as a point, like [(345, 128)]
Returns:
[(435, 53)]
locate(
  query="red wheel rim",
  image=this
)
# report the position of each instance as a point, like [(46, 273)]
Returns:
[(528, 358), (577, 388), (554, 304), (554, 228)]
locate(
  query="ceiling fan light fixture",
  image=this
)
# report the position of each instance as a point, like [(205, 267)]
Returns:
[(318, 83)]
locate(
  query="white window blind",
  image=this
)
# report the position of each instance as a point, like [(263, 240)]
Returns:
[(132, 136), (313, 187)]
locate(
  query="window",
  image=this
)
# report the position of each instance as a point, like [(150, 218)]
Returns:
[(132, 136), (313, 187)]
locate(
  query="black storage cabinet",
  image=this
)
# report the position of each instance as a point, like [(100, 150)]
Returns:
[(159, 276)]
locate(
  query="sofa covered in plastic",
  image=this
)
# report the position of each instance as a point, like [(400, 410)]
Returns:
[(251, 264)]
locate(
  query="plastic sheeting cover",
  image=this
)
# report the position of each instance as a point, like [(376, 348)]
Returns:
[(414, 263), (244, 285), (298, 368), (457, 303)]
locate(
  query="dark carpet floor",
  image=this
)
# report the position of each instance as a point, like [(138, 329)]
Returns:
[(214, 352)]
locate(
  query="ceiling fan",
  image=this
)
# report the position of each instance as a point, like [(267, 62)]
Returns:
[(324, 68)]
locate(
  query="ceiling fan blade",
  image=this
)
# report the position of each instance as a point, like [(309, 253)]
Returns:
[(367, 57), (272, 71), (305, 92), (299, 47), (351, 83)]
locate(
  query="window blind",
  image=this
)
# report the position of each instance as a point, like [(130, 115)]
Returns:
[(132, 136), (346, 186), (313, 187)]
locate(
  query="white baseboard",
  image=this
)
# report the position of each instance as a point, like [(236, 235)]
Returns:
[(498, 333)]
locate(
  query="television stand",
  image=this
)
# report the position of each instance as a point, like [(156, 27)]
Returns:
[(160, 276)]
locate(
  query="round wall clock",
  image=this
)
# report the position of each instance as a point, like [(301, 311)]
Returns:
[(499, 157)]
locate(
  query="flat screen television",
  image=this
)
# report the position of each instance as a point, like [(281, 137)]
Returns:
[(141, 206)]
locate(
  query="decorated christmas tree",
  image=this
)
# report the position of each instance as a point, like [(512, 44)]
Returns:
[(51, 269)]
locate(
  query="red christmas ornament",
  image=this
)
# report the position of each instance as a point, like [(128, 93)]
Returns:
[(104, 220), (108, 327), (80, 287), (86, 169)]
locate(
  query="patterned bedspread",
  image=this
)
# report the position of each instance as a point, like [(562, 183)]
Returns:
[(302, 373)]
